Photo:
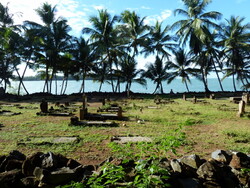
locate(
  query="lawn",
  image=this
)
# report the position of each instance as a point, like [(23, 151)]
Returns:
[(177, 128)]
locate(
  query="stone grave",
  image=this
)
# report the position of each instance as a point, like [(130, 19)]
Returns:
[(53, 112), (246, 98), (43, 140), (9, 113), (235, 99), (194, 100), (74, 121), (84, 115), (126, 139), (184, 97), (241, 108)]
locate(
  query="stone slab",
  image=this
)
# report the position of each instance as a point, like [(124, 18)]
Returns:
[(96, 123), (124, 139)]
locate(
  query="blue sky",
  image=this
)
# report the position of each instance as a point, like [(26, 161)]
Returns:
[(77, 12)]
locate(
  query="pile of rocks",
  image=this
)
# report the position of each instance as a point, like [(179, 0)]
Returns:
[(40, 170), (224, 169)]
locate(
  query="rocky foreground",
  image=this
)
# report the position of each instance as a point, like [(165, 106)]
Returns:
[(224, 169)]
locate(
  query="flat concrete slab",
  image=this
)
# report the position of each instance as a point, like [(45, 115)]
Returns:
[(8, 113), (49, 140), (95, 123), (126, 139)]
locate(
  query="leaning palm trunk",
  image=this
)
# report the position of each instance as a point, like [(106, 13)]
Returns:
[(62, 87), (157, 87), (218, 77), (204, 82), (20, 82), (66, 85)]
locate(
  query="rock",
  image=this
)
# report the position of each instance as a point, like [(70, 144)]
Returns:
[(44, 106), (72, 163), (29, 182), (59, 176), (176, 166), (13, 164), (211, 184), (31, 163), (11, 179), (17, 155), (222, 156), (208, 171), (49, 161), (189, 183), (240, 160), (74, 120), (193, 161)]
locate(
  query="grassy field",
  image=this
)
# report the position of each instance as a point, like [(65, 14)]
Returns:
[(177, 128)]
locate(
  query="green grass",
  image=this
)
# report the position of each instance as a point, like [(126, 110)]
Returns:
[(180, 128)]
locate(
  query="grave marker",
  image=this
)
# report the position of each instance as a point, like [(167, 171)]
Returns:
[(241, 108)]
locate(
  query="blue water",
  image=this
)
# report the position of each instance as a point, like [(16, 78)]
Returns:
[(176, 86)]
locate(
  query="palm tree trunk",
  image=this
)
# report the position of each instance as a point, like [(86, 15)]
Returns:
[(56, 84), (161, 88), (62, 85), (157, 86), (66, 85), (217, 74), (20, 82), (185, 81), (204, 82), (234, 85)]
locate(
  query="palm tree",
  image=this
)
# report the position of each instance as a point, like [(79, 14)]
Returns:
[(160, 41), (84, 55), (103, 37), (193, 29), (130, 74), (157, 72), (54, 40), (136, 32), (235, 38), (181, 67)]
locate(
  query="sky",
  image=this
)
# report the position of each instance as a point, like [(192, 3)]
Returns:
[(77, 12)]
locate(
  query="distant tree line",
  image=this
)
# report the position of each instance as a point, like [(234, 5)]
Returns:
[(108, 50)]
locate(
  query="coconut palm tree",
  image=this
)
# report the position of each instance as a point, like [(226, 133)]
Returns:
[(235, 38), (193, 29), (84, 55), (136, 32), (160, 41), (129, 73), (54, 40), (157, 72), (102, 35), (182, 66)]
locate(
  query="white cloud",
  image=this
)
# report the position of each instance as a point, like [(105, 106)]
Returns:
[(98, 7), (72, 10), (147, 8), (153, 18)]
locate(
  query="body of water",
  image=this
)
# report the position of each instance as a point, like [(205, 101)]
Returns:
[(90, 86)]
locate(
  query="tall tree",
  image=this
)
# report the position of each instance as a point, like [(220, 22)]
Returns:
[(157, 72), (181, 67), (235, 38), (102, 34), (54, 40), (193, 30)]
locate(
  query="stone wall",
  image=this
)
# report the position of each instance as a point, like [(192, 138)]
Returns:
[(224, 169)]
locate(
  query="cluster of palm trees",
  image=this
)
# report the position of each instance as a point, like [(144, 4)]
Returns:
[(108, 51)]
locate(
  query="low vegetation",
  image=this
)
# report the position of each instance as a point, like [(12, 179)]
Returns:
[(176, 128)]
